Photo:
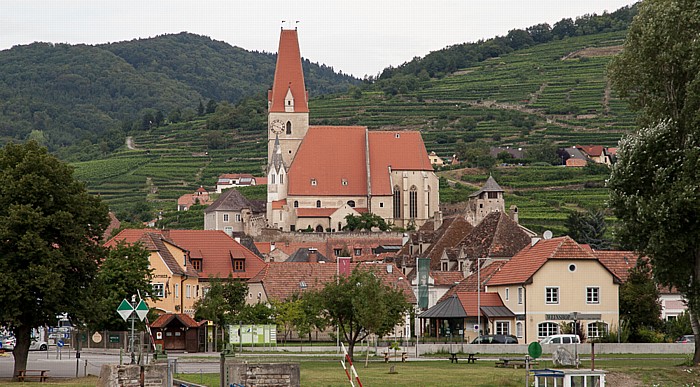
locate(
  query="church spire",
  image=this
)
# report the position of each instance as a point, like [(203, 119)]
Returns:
[(276, 155), (289, 77)]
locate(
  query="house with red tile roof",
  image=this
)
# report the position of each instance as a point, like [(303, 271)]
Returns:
[(234, 213), (317, 175), (175, 280), (557, 281), (200, 196), (230, 180), (209, 254), (596, 153)]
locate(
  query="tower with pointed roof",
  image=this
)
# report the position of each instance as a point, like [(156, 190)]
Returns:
[(485, 201)]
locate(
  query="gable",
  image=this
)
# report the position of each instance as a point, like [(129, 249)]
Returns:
[(400, 151)]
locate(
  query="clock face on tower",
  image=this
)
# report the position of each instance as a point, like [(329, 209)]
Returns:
[(277, 126)]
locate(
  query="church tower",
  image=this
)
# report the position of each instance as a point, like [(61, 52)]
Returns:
[(287, 102)]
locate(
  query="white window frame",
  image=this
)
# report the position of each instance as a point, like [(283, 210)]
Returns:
[(225, 217), (238, 217), (176, 290), (551, 295), (507, 295), (499, 325), (551, 328), (519, 329), (158, 289), (521, 292), (593, 295), (188, 291), (592, 330)]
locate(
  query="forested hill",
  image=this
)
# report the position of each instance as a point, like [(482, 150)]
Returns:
[(81, 96)]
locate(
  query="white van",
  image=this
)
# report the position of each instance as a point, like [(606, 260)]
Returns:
[(561, 339)]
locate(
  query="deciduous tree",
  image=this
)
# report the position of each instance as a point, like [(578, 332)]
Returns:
[(656, 181), (50, 229)]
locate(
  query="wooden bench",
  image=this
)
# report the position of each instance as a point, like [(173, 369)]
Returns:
[(38, 375), (515, 363)]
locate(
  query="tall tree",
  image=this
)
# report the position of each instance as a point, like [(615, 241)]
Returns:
[(656, 181), (223, 302), (360, 305), (50, 229), (589, 228)]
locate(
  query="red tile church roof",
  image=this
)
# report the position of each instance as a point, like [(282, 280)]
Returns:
[(399, 150)]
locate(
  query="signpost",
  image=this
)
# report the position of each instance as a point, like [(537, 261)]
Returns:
[(127, 310)]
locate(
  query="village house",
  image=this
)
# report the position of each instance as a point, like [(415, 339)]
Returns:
[(200, 196), (557, 281), (231, 180), (435, 159), (317, 175), (234, 213)]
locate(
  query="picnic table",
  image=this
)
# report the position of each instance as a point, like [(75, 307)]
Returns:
[(387, 355), (471, 358), (515, 362), (38, 375)]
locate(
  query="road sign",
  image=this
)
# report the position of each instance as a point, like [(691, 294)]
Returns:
[(142, 310), (534, 350), (125, 309), (60, 343)]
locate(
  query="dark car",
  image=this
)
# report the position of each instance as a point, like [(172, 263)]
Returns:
[(496, 339), (686, 339)]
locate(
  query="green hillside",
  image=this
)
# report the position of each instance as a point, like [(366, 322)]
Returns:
[(550, 92), (81, 100)]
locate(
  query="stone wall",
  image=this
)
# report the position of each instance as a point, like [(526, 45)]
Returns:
[(155, 375), (263, 374)]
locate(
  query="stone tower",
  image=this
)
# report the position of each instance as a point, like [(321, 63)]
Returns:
[(485, 201)]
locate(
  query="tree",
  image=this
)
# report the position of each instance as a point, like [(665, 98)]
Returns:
[(588, 228), (545, 152), (50, 229), (125, 271), (655, 185), (361, 305), (200, 108), (639, 300), (223, 302), (366, 221)]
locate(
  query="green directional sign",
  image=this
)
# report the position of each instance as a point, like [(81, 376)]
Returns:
[(142, 310), (125, 309)]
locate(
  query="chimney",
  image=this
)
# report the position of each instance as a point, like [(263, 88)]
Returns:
[(437, 220), (313, 255)]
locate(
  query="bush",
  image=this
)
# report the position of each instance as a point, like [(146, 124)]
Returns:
[(648, 335)]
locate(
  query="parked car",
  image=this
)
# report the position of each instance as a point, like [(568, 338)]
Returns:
[(686, 339), (7, 343), (561, 339), (38, 345), (495, 339)]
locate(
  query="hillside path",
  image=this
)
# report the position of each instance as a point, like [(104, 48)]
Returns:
[(130, 143)]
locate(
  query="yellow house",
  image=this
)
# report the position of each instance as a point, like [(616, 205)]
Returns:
[(557, 282), (174, 280)]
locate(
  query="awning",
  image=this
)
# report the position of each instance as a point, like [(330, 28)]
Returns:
[(497, 311), (450, 308)]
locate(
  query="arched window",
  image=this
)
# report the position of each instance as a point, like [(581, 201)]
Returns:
[(318, 204), (597, 329), (351, 203), (289, 127), (397, 202), (519, 329), (547, 328), (413, 202), (296, 204), (319, 228)]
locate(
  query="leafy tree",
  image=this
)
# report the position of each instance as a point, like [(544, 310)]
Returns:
[(211, 106), (50, 229), (588, 228), (200, 108), (366, 221), (545, 152), (125, 271), (655, 184), (223, 302), (639, 301), (678, 327), (257, 313), (361, 305), (476, 154)]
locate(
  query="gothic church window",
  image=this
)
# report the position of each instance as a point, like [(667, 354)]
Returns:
[(289, 126), (413, 202), (397, 202)]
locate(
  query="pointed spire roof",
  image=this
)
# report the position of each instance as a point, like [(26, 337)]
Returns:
[(277, 161), (289, 75), (490, 186)]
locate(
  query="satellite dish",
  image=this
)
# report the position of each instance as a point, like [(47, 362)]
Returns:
[(547, 235)]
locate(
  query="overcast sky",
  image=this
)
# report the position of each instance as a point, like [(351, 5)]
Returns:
[(359, 37)]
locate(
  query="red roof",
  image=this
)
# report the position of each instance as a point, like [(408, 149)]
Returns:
[(470, 301), (289, 75), (404, 151), (164, 319), (618, 262), (572, 162), (334, 157), (591, 150), (277, 204), (216, 249), (469, 284), (530, 259)]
